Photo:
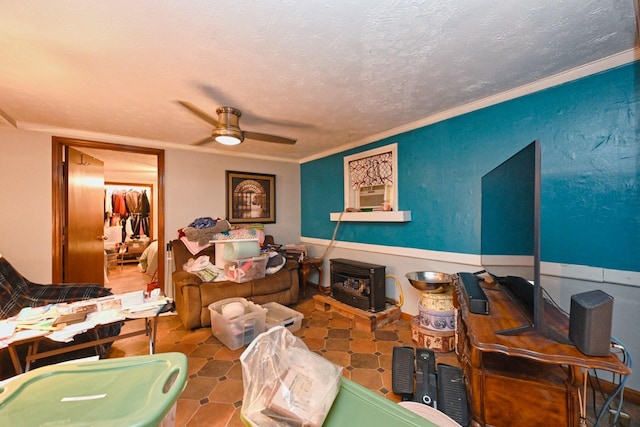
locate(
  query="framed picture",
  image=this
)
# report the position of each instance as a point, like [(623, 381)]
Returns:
[(251, 197)]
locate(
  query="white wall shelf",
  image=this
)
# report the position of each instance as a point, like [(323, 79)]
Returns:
[(375, 216)]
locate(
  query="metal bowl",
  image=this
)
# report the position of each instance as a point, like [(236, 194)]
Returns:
[(429, 281)]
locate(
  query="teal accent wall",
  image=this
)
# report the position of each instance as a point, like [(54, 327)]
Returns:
[(589, 133)]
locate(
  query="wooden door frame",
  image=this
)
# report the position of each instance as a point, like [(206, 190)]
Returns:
[(58, 199)]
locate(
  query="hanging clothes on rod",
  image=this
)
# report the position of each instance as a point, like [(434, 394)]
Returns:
[(130, 208)]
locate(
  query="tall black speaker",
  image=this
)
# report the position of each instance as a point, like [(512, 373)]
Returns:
[(590, 322)]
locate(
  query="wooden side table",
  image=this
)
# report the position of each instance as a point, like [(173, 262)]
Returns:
[(554, 374), (307, 265)]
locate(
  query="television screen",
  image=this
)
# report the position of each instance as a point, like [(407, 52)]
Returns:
[(510, 234), (508, 216)]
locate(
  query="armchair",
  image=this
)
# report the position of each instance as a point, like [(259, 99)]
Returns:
[(16, 292), (193, 296)]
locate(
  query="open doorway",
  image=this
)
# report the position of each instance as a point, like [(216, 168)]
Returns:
[(125, 157)]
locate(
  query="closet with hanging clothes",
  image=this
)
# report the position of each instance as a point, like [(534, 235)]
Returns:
[(128, 224)]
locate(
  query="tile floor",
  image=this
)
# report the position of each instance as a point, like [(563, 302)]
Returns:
[(213, 396)]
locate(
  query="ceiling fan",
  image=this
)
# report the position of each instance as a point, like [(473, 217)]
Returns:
[(226, 128)]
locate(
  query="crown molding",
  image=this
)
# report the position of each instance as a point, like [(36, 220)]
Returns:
[(138, 142), (591, 68)]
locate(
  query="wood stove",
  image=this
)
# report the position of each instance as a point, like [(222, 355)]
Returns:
[(358, 284)]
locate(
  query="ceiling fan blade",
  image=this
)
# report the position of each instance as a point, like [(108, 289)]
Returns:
[(203, 141), (217, 95), (198, 112), (268, 138), (250, 117)]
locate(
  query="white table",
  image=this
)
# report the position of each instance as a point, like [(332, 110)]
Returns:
[(34, 337)]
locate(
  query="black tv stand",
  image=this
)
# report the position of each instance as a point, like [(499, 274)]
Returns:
[(522, 292)]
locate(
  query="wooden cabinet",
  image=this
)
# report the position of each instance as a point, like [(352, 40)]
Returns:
[(525, 379), (517, 391)]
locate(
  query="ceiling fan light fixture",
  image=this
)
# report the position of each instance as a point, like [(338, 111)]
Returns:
[(226, 129), (228, 132), (228, 139)]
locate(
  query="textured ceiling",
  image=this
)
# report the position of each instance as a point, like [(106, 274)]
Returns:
[(329, 73)]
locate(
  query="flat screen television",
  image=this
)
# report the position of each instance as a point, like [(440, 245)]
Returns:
[(510, 235)]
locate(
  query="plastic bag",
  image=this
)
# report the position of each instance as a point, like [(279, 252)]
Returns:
[(201, 267), (286, 384)]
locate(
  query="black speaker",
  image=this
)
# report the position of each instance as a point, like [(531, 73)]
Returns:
[(590, 322)]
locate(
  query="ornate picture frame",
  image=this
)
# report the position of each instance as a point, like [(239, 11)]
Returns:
[(250, 197)]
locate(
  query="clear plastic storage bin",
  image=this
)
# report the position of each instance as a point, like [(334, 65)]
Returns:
[(236, 328), (278, 314), (245, 269)]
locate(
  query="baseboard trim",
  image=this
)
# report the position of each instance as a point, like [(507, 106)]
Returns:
[(569, 271), (630, 395)]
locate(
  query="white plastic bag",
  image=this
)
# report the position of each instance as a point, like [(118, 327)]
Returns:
[(286, 384), (201, 267)]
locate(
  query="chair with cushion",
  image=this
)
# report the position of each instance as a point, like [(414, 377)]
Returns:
[(16, 293), (193, 296)]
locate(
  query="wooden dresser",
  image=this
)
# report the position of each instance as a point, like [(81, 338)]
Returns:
[(525, 379)]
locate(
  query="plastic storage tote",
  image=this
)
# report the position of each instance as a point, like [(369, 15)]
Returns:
[(236, 321), (356, 405), (245, 269), (278, 314), (131, 391), (355, 402)]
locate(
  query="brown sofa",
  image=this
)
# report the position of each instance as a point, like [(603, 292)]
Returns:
[(193, 296)]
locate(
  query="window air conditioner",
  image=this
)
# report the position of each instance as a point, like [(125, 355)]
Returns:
[(372, 197)]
